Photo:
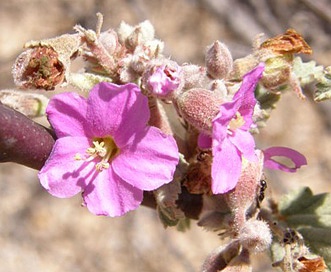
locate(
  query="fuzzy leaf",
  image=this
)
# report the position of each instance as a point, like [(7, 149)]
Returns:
[(302, 208), (323, 86), (86, 81), (306, 72), (311, 216)]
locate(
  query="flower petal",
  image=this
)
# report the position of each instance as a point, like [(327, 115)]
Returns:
[(226, 168), (297, 158), (245, 143), (117, 110), (111, 196), (67, 112), (246, 94), (221, 121), (62, 175), (149, 161)]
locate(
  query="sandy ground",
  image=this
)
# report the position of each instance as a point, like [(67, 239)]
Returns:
[(42, 233)]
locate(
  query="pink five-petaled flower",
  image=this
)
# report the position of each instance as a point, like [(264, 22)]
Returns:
[(231, 139), (106, 150)]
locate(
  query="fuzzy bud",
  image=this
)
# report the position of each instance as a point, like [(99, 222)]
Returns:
[(219, 258), (194, 76), (255, 236), (109, 41), (277, 72), (199, 107), (240, 263), (30, 104), (131, 37), (218, 60), (242, 66), (244, 196)]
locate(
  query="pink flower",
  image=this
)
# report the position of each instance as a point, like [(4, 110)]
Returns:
[(278, 151), (231, 139), (106, 150), (162, 80)]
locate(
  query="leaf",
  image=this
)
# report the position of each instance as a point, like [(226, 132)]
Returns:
[(302, 208), (306, 72), (323, 86), (311, 216)]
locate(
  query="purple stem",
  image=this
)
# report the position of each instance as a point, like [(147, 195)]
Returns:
[(22, 140)]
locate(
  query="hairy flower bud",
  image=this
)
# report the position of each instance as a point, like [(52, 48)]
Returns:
[(240, 263), (30, 104), (219, 258), (199, 107), (194, 76), (277, 72), (255, 236), (243, 197), (218, 60), (131, 36)]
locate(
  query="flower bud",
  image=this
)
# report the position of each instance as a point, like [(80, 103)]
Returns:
[(242, 198), (277, 72), (161, 80), (199, 107), (194, 76), (219, 258), (218, 60), (255, 236), (30, 104), (109, 41), (131, 37), (240, 263)]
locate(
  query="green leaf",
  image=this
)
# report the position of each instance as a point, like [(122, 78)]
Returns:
[(302, 208), (323, 91), (311, 216), (306, 72)]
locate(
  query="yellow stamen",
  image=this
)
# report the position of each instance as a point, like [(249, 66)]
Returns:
[(236, 122), (103, 148)]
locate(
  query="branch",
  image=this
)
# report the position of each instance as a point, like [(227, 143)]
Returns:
[(22, 140)]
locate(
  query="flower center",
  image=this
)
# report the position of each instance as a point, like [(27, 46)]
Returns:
[(235, 123), (103, 148)]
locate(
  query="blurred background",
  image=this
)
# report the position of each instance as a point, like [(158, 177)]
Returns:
[(41, 233)]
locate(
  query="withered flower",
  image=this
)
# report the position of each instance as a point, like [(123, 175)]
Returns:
[(38, 68), (290, 42)]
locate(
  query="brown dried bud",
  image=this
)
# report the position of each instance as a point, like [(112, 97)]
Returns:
[(312, 264), (38, 68), (198, 178), (199, 107), (218, 60)]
